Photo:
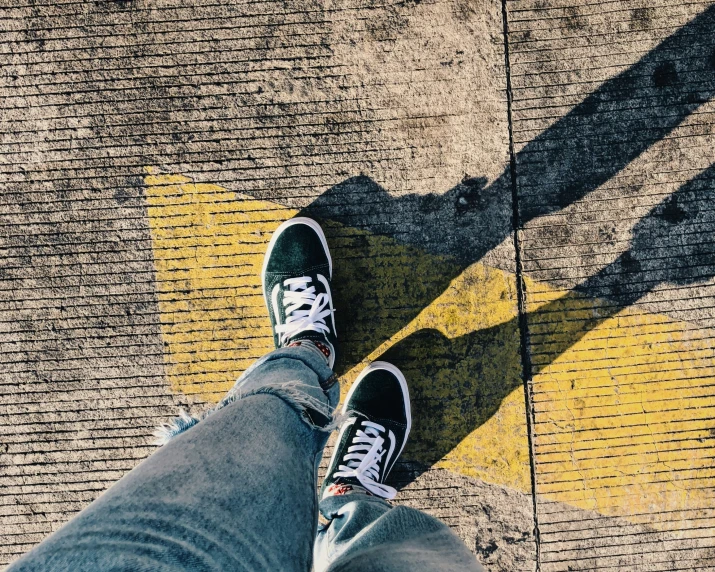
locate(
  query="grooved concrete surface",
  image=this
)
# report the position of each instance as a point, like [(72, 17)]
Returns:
[(149, 149), (613, 131)]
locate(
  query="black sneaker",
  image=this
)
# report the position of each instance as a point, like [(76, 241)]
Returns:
[(296, 277), (374, 435)]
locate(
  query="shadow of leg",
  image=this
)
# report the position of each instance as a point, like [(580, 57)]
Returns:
[(455, 384)]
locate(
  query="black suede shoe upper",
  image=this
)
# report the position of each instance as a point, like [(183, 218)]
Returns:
[(378, 398), (297, 251)]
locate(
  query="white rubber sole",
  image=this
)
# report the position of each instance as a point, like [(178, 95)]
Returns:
[(298, 220), (403, 385)]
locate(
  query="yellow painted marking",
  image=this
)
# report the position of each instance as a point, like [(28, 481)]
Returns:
[(622, 399), (208, 247), (623, 405)]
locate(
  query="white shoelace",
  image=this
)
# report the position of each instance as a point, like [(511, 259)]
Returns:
[(299, 293), (362, 460)]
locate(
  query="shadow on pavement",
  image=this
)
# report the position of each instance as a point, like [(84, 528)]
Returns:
[(444, 234), (605, 132), (673, 243)]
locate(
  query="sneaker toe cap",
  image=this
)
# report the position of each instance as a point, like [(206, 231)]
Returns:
[(298, 249), (381, 395)]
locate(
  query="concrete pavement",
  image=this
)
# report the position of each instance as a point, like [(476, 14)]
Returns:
[(561, 375)]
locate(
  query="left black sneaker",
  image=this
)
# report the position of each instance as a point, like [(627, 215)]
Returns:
[(374, 435), (296, 277)]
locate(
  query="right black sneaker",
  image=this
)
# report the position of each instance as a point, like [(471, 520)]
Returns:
[(374, 435)]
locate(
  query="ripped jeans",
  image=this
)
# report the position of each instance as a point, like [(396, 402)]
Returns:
[(236, 490)]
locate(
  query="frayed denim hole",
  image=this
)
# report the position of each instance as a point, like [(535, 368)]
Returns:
[(178, 425), (313, 411)]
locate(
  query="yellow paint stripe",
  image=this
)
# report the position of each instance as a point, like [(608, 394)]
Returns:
[(622, 445), (622, 399), (623, 402), (208, 248)]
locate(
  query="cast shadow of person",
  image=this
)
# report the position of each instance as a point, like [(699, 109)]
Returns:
[(439, 236), (672, 246), (577, 154), (606, 131)]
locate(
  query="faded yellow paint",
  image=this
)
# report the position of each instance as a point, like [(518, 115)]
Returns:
[(207, 265), (473, 351), (622, 398), (623, 401), (208, 247)]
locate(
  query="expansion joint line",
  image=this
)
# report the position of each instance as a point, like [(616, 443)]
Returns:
[(526, 369)]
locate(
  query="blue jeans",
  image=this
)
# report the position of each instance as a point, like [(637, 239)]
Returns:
[(237, 491)]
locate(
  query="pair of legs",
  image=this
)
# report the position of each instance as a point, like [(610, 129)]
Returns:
[(236, 489)]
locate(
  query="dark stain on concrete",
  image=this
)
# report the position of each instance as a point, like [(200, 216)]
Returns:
[(123, 195), (671, 212), (113, 4), (486, 550), (574, 21), (665, 75), (469, 195), (641, 18)]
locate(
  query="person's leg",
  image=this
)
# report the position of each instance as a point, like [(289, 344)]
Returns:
[(363, 532), (235, 490), (366, 534)]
